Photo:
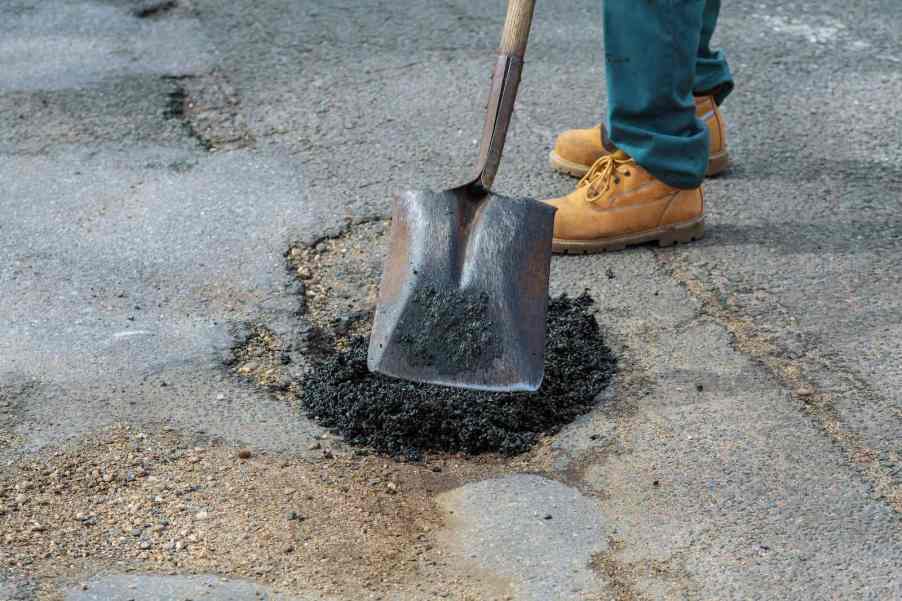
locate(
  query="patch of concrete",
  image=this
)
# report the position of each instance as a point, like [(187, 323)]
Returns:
[(152, 587), (124, 111), (124, 275), (60, 45), (536, 533)]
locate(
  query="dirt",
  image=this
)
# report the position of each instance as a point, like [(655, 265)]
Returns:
[(467, 315), (261, 356), (133, 500), (410, 420)]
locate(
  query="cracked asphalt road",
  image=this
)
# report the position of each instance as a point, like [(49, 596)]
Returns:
[(156, 168)]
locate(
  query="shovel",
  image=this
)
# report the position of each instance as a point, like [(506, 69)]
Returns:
[(464, 287)]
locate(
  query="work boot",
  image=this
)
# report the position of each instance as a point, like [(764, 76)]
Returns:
[(576, 150), (618, 204)]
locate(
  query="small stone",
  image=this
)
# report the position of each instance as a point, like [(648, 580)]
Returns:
[(292, 515), (37, 527), (144, 545), (287, 549), (21, 499), (136, 532), (315, 446), (436, 468), (245, 454), (327, 454), (201, 515), (804, 392), (249, 367), (288, 491), (392, 488)]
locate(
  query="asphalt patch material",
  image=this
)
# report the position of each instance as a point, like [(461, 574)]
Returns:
[(408, 419), (465, 314)]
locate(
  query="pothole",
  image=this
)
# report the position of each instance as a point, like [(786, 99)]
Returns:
[(341, 275), (404, 419)]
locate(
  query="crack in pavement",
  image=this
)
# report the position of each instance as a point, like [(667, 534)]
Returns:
[(155, 9), (880, 467), (209, 107)]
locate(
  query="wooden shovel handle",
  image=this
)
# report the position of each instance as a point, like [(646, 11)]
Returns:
[(503, 93), (516, 27)]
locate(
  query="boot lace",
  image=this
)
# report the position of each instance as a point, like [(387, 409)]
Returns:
[(603, 174)]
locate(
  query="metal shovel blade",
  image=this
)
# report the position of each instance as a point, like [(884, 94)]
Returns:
[(464, 290)]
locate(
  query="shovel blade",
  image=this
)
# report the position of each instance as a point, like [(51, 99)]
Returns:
[(464, 291)]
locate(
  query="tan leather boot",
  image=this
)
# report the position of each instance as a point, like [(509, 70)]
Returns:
[(576, 150), (618, 204)]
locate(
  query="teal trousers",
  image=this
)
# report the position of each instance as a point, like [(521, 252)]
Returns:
[(658, 56)]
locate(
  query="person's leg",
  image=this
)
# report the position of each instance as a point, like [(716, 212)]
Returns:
[(712, 74), (651, 49), (646, 187)]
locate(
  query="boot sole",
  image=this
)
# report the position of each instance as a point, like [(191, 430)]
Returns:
[(678, 233), (717, 164)]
